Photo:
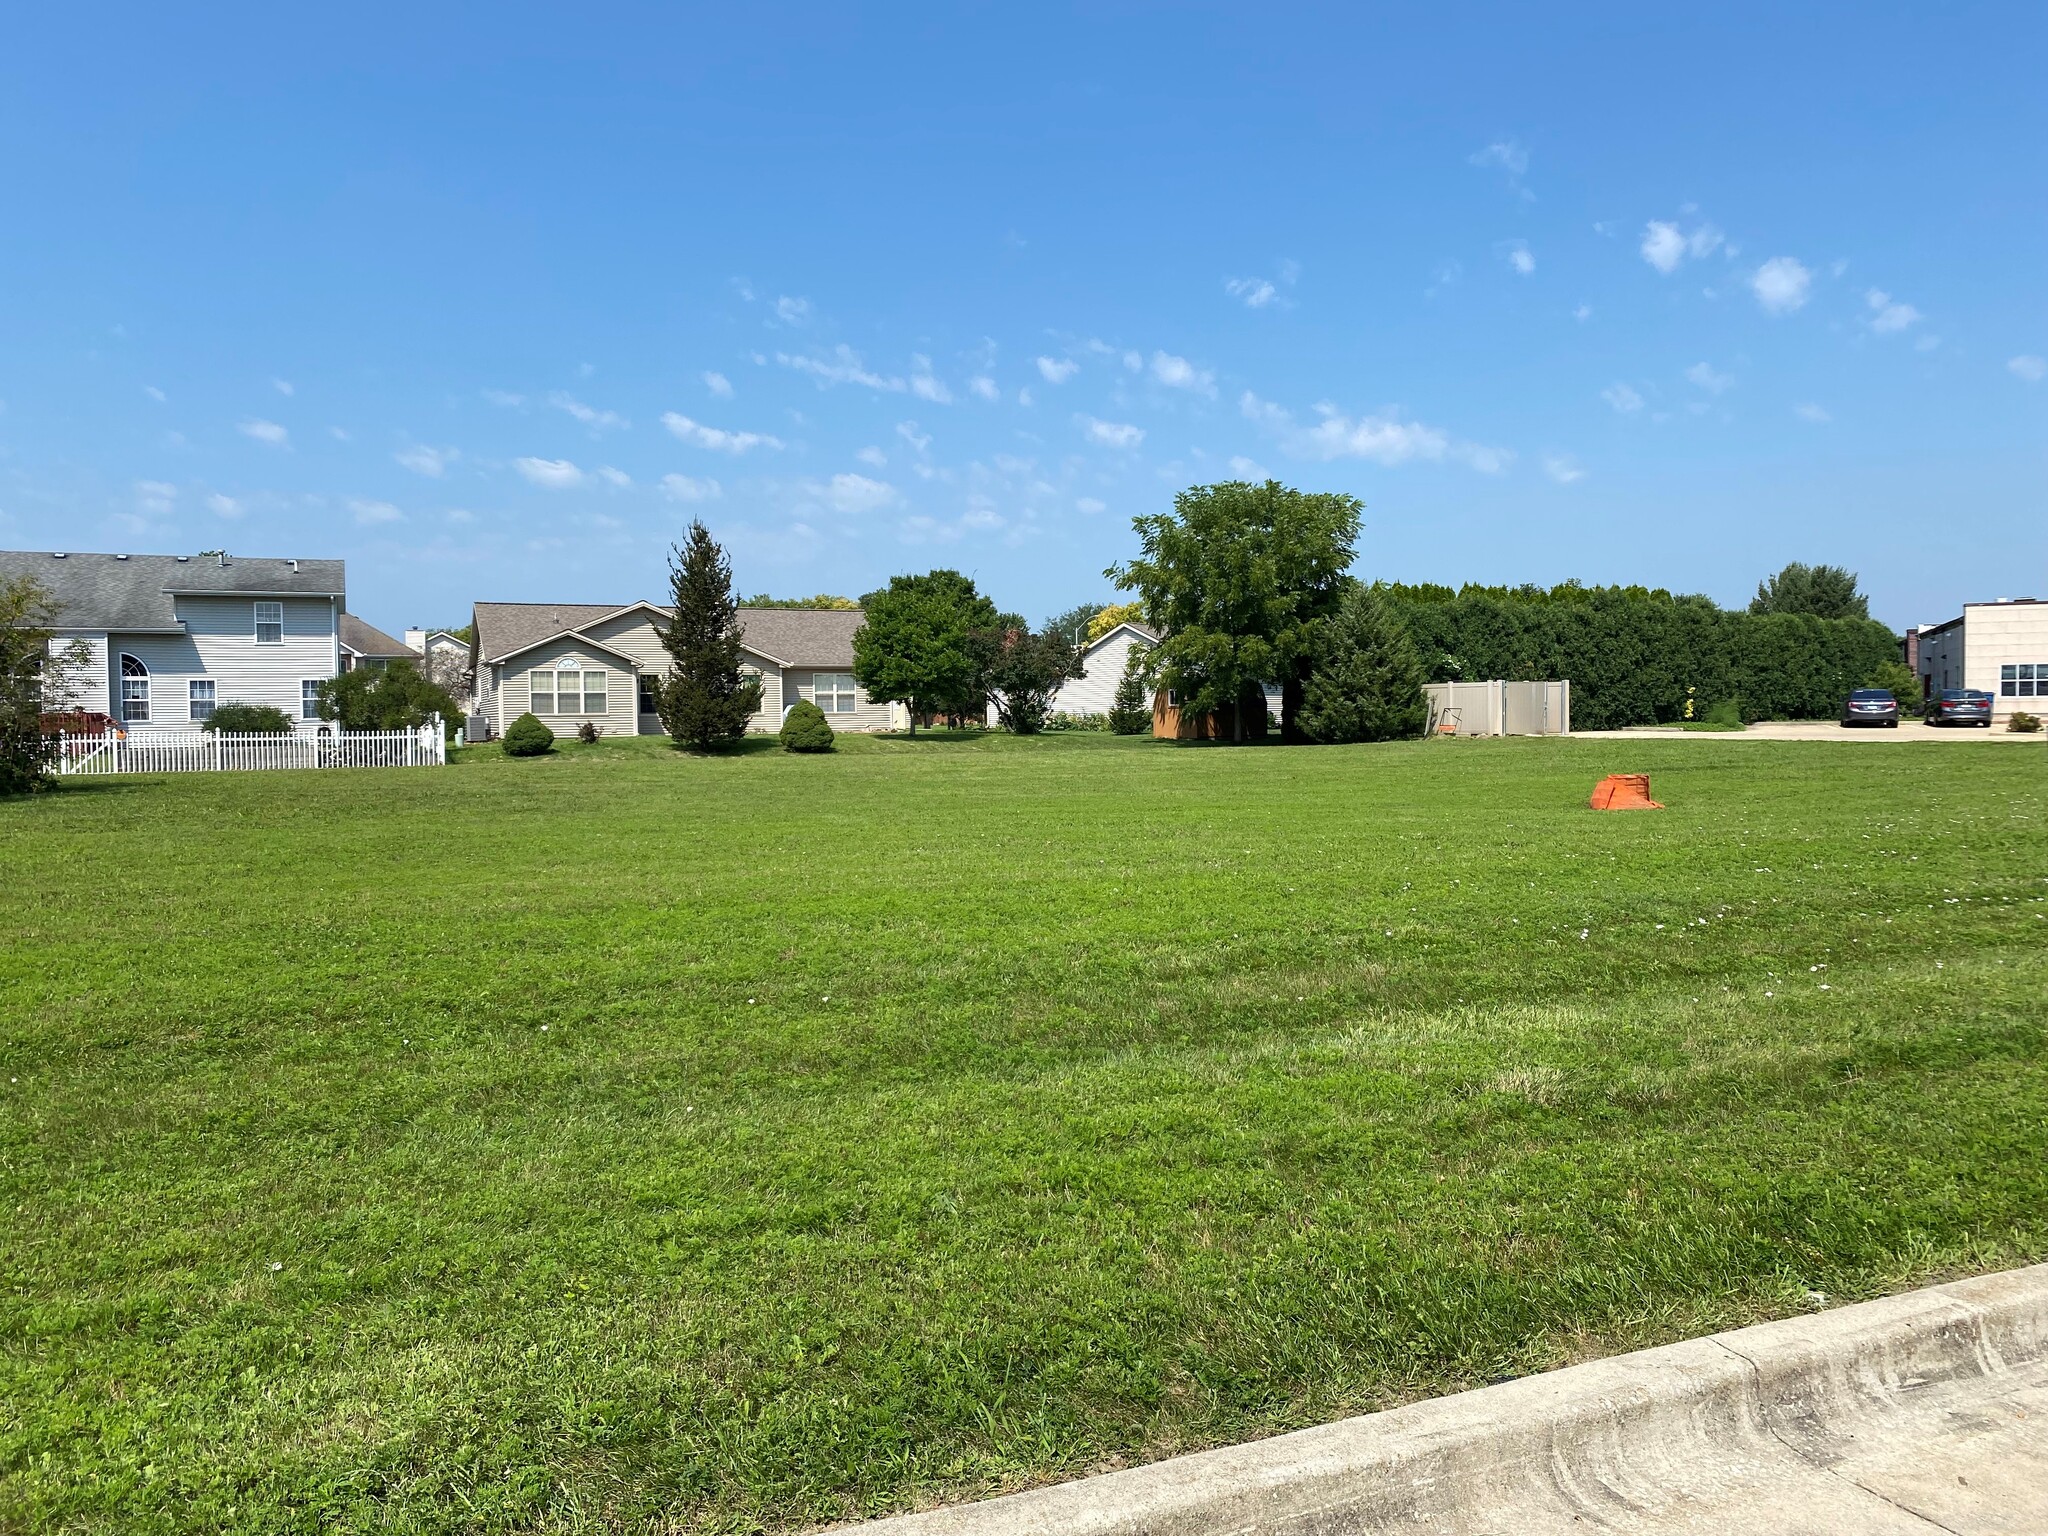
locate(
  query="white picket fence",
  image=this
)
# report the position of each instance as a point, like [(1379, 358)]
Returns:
[(233, 751)]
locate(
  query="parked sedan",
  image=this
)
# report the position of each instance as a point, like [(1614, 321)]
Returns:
[(1960, 706), (1871, 706)]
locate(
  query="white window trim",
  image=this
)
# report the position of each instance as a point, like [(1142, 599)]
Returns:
[(193, 698), (260, 621), (850, 693), (582, 694), (309, 704), (141, 676)]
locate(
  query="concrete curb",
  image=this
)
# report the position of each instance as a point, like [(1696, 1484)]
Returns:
[(1916, 1413)]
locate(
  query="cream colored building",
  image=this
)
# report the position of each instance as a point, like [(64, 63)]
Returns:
[(2000, 648), (574, 662)]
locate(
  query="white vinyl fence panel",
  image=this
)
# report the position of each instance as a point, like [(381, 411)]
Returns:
[(231, 752), (1500, 708)]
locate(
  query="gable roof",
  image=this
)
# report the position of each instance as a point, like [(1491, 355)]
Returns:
[(368, 640), (1144, 632), (791, 637), (135, 591)]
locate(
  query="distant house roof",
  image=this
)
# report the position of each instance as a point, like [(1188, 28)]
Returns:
[(368, 641), (134, 592), (1144, 632), (795, 637)]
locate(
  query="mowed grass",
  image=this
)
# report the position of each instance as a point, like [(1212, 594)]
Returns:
[(631, 1141)]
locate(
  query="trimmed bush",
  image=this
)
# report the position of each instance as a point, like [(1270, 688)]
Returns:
[(805, 728), (527, 737), (248, 717), (2023, 722)]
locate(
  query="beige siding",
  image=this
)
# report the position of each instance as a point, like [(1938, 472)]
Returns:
[(219, 644), (619, 717), (1103, 666), (866, 715), (2000, 635)]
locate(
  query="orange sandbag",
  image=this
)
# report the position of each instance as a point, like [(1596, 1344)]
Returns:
[(1624, 792)]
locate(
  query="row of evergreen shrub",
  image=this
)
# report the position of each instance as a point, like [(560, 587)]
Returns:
[(1632, 652)]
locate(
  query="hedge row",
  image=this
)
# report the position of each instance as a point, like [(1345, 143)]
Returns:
[(1631, 653)]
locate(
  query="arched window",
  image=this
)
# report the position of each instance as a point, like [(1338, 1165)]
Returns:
[(134, 688)]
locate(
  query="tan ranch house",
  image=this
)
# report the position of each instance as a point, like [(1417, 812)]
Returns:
[(572, 662)]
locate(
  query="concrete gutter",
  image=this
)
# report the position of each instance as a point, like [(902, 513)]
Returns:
[(1919, 1413)]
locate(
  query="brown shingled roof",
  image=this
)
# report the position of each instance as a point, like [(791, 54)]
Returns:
[(370, 641), (796, 637)]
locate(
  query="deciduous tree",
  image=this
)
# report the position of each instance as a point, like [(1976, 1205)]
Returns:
[(914, 646), (1824, 591), (394, 697), (1020, 671), (1238, 579), (34, 678), (706, 698)]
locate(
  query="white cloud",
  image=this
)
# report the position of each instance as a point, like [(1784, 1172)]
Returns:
[(842, 367), (1520, 258), (689, 488), (1622, 398), (926, 387), (1887, 316), (590, 416), (919, 441), (792, 311), (341, 434), (1256, 292), (1381, 437), (718, 384), (1583, 312), (503, 397), (857, 493), (1024, 397), (1111, 434), (1665, 245), (153, 392), (1179, 373), (264, 431), (1562, 468), (431, 462), (1134, 362), (716, 438), (1091, 506), (370, 513), (1808, 411), (1703, 375), (283, 386), (1057, 370), (985, 387), (2029, 367), (874, 458), (461, 515), (157, 498), (1781, 284), (616, 477), (1247, 469), (555, 474), (1506, 155), (224, 506)]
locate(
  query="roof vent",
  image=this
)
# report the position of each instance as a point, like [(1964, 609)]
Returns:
[(182, 559), (57, 554), (120, 557)]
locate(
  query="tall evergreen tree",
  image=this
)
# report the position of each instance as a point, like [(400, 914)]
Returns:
[(1366, 684), (1130, 711), (706, 698)]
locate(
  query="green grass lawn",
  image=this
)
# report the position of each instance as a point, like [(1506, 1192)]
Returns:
[(628, 1141)]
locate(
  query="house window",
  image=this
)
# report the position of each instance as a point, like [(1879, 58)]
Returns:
[(134, 689), (2025, 680), (649, 704), (270, 623), (309, 699), (566, 691), (201, 698), (832, 692)]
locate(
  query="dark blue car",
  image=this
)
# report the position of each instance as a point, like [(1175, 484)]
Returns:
[(1871, 706), (1960, 706)]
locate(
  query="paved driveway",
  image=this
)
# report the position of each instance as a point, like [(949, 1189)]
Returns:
[(1826, 730)]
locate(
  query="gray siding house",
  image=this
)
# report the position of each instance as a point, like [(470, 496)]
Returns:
[(572, 662), (1102, 668), (173, 636)]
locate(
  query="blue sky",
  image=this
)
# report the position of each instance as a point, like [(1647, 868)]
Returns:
[(490, 300)]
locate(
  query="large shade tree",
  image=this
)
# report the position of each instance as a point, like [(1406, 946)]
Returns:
[(1020, 671), (915, 645), (1238, 579), (1824, 591), (707, 697), (393, 697)]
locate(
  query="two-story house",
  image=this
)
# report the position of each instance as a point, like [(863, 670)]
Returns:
[(172, 637)]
